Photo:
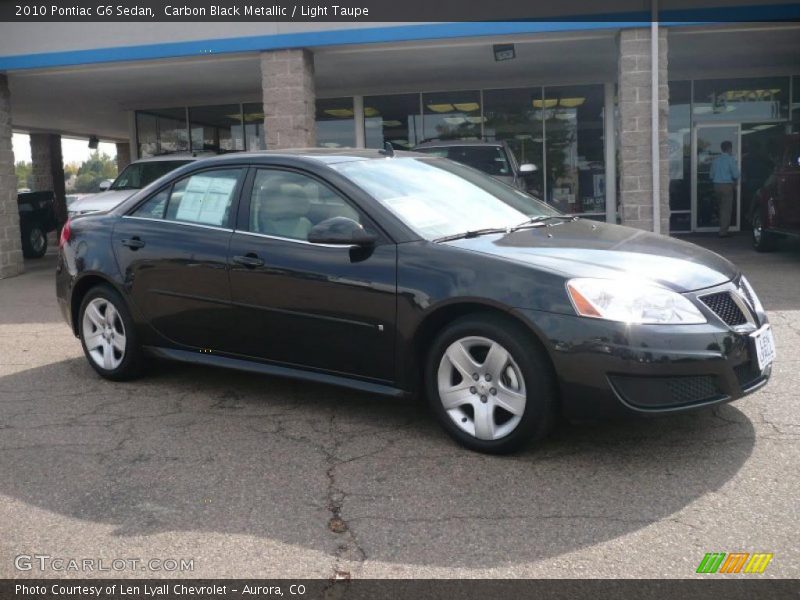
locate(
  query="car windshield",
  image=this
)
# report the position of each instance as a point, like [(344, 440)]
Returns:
[(138, 175), (489, 159), (438, 198)]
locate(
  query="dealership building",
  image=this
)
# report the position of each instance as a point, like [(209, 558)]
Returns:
[(621, 119)]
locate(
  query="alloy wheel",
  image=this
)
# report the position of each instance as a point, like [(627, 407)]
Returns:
[(104, 334), (37, 240), (481, 387), (757, 232)]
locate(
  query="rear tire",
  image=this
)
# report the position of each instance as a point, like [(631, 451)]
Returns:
[(108, 335), (34, 241), (763, 241), (490, 386)]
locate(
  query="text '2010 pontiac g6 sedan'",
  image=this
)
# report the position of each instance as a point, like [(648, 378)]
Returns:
[(399, 273)]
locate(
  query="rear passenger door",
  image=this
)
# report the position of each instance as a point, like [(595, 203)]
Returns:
[(327, 307), (172, 252)]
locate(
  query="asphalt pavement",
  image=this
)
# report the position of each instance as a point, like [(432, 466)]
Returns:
[(252, 476)]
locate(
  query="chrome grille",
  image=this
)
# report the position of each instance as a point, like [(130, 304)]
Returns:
[(724, 306)]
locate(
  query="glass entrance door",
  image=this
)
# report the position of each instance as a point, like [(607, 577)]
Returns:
[(706, 142)]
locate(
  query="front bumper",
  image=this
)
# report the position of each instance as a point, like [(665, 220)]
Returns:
[(604, 367)]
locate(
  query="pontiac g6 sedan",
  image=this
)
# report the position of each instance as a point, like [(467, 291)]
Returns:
[(404, 273)]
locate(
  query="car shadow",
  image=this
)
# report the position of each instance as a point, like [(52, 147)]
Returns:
[(203, 450)]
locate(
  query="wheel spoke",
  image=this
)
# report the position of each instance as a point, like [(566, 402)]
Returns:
[(484, 421), (93, 340), (93, 312), (496, 360), (510, 400), (108, 356), (460, 358), (456, 396), (118, 342)]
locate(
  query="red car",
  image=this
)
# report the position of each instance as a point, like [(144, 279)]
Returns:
[(776, 212)]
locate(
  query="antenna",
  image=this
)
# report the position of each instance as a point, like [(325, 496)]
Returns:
[(388, 149)]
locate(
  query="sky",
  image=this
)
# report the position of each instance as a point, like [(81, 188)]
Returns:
[(72, 150)]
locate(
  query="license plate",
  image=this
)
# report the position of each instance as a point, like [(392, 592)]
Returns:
[(765, 346)]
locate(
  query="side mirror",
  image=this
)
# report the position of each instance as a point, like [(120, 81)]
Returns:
[(341, 231), (528, 168), (105, 184)]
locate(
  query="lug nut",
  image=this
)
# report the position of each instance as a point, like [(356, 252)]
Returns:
[(488, 377), (475, 376), (472, 390), (493, 392), (484, 399)]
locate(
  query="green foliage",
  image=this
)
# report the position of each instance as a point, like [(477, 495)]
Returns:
[(24, 171), (94, 170)]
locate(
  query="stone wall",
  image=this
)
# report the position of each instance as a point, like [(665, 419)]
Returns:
[(287, 78), (10, 245), (634, 101)]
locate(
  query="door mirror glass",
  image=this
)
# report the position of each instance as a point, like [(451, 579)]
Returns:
[(341, 230), (105, 184), (528, 168)]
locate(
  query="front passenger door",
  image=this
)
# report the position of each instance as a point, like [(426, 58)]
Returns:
[(327, 307)]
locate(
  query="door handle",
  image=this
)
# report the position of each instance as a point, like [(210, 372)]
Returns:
[(249, 260), (134, 243)]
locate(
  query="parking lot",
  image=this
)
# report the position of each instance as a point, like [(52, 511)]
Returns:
[(251, 476)]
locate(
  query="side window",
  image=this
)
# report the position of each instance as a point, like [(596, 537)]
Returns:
[(287, 204), (204, 198), (154, 207)]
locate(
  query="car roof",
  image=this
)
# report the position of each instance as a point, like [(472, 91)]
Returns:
[(169, 157), (327, 156), (448, 143)]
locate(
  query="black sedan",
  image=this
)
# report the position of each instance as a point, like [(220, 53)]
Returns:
[(403, 273)]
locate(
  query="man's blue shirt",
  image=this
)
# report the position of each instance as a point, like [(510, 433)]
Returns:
[(724, 169)]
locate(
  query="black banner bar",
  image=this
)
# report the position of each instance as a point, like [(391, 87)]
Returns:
[(394, 10), (712, 588)]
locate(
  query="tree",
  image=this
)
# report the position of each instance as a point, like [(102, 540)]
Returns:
[(94, 170), (24, 171)]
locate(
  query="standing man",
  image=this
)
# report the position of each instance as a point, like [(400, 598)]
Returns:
[(724, 174)]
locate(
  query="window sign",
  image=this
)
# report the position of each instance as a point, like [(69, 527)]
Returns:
[(206, 199)]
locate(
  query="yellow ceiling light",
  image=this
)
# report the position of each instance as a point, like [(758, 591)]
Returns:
[(466, 106), (392, 123), (441, 108), (371, 112), (339, 113), (571, 102), (549, 103), (249, 117)]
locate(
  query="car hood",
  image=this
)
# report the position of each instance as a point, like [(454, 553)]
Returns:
[(585, 248), (102, 201)]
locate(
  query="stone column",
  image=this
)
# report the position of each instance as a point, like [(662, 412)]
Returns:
[(634, 98), (287, 81), (48, 170), (10, 239), (123, 156)]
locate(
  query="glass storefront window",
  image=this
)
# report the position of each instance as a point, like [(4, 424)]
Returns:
[(216, 128), (680, 155), (335, 123), (254, 136), (161, 131), (741, 99), (575, 151), (512, 116), (796, 104), (394, 119), (452, 115)]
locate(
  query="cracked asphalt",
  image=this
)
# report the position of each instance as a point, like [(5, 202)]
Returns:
[(252, 476)]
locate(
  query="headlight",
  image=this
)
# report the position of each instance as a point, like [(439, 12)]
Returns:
[(631, 302), (752, 295)]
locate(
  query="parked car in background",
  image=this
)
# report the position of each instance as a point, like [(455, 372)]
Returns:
[(133, 178), (776, 212), (493, 158), (37, 218), (401, 273)]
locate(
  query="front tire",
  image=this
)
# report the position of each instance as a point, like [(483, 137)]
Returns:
[(490, 386), (108, 335), (34, 241), (763, 241)]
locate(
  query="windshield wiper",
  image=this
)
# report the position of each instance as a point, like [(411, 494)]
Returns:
[(472, 234), (542, 219)]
